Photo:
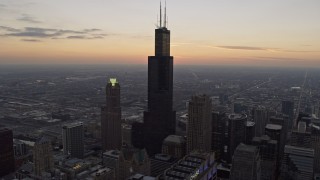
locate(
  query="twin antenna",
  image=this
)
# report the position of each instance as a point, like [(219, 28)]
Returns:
[(165, 24)]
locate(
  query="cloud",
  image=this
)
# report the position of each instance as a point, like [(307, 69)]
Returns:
[(50, 33), (76, 37), (9, 29), (27, 18), (254, 48), (31, 40), (249, 48)]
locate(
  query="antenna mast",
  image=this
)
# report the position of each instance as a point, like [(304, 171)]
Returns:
[(165, 14), (160, 15)]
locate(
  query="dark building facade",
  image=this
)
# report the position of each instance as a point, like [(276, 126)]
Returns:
[(236, 129), (218, 128), (111, 117), (159, 119), (287, 108), (6, 152), (73, 139), (199, 124)]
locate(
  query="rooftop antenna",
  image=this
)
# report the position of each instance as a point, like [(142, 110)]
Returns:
[(165, 14), (167, 22), (157, 24), (160, 15)]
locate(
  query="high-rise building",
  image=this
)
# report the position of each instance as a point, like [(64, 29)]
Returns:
[(301, 137), (315, 143), (218, 129), (111, 117), (268, 150), (250, 131), (287, 108), (159, 119), (275, 132), (199, 124), (72, 138), (6, 152), (260, 115), (298, 163), (236, 129), (42, 157), (245, 163)]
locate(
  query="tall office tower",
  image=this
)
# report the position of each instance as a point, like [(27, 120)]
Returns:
[(275, 132), (287, 108), (126, 135), (111, 117), (250, 129), (260, 115), (72, 137), (236, 133), (245, 163), (315, 143), (159, 119), (218, 129), (297, 163), (301, 137), (199, 124), (42, 157), (6, 152), (268, 150)]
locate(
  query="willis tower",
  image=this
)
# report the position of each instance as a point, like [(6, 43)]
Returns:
[(159, 119)]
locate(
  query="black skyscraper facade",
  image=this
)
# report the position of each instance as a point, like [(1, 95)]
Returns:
[(159, 119)]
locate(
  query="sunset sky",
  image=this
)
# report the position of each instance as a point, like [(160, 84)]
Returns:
[(247, 32)]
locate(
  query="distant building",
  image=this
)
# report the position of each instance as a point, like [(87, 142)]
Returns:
[(275, 132), (132, 161), (42, 157), (199, 124), (260, 117), (301, 137), (315, 143), (20, 148), (287, 108), (127, 162), (111, 117), (297, 163), (174, 146), (161, 162), (73, 140), (218, 129), (196, 166), (268, 150), (236, 129), (245, 163), (250, 132), (127, 135), (6, 152), (111, 160)]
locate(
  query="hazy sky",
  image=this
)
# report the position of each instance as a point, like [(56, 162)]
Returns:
[(271, 32)]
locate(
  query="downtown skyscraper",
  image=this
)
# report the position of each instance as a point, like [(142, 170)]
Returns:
[(159, 119), (111, 117)]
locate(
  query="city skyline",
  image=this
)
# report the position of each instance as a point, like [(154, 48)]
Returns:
[(209, 32)]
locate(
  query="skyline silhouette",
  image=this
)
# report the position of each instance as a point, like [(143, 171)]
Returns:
[(255, 33)]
